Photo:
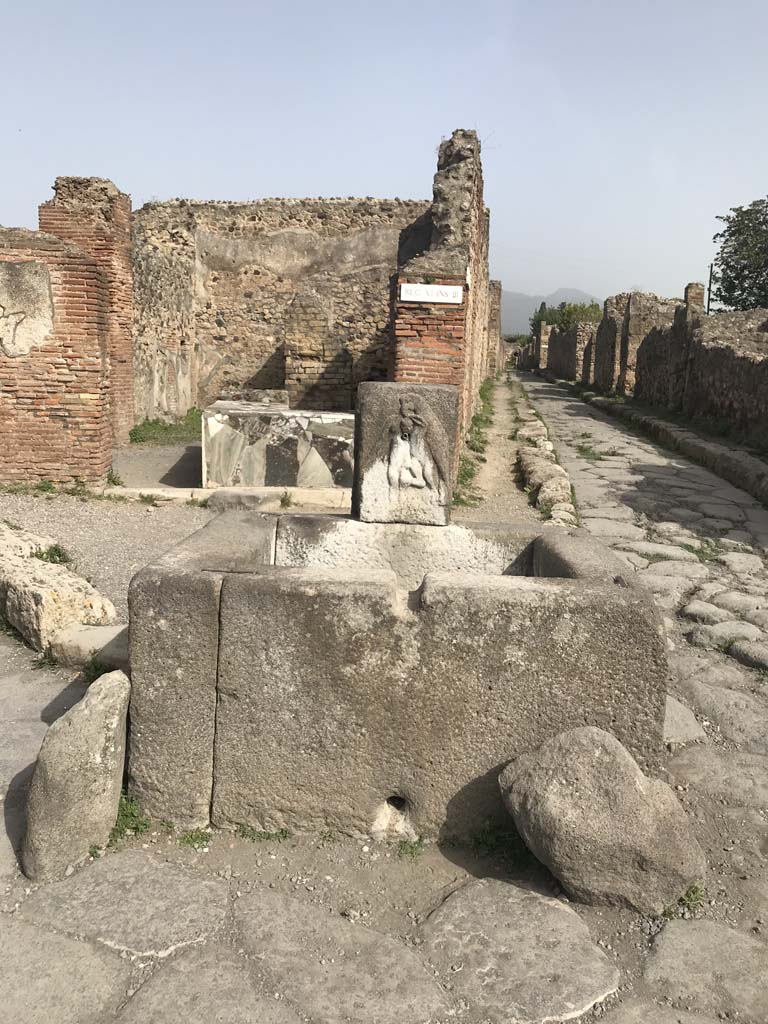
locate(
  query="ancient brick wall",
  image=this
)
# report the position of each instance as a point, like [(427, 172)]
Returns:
[(709, 367), (55, 419), (569, 350), (276, 293), (95, 215), (436, 341)]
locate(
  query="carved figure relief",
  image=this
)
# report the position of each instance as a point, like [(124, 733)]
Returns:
[(418, 449)]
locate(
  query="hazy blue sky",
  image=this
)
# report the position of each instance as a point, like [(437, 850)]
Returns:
[(613, 132)]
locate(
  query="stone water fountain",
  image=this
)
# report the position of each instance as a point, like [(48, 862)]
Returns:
[(372, 674)]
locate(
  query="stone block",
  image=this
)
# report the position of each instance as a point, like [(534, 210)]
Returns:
[(253, 444), (405, 439), (316, 672), (339, 699), (174, 614), (108, 645), (75, 789), (40, 598)]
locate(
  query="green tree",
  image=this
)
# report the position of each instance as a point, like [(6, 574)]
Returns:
[(740, 279), (567, 314)]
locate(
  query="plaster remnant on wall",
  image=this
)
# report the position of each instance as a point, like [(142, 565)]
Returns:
[(26, 307)]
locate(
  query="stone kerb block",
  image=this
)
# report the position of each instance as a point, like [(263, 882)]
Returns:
[(404, 457)]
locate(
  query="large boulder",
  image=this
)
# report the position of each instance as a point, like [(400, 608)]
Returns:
[(606, 831), (75, 790)]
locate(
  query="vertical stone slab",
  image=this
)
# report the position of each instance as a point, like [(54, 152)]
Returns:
[(404, 449), (174, 613)]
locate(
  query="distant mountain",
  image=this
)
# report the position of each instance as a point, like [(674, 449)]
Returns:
[(518, 308)]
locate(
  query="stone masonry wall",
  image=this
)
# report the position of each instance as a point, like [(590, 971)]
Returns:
[(435, 342), (627, 320), (644, 312), (607, 348), (95, 215), (568, 351), (709, 367), (276, 293), (496, 356), (55, 418)]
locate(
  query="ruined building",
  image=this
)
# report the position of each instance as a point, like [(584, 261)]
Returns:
[(108, 317)]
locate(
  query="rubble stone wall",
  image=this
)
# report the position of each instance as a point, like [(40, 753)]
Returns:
[(569, 350), (275, 293), (644, 312), (496, 348), (607, 352), (711, 368), (55, 384)]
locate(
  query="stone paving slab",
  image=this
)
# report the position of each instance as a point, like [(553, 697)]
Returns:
[(132, 903), (202, 986), (51, 979), (337, 971), (517, 956)]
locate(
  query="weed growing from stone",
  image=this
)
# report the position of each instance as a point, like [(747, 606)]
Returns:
[(113, 478), (328, 836), (709, 551), (130, 820), (196, 838), (11, 525), (94, 852), (148, 499), (489, 841), (410, 849), (46, 659), (545, 508), (180, 431), (255, 835), (285, 500), (54, 553), (586, 451), (691, 901), (92, 670), (44, 487), (198, 502)]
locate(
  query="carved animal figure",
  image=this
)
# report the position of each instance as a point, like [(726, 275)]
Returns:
[(418, 448)]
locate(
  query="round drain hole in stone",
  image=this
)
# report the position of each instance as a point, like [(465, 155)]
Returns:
[(392, 819)]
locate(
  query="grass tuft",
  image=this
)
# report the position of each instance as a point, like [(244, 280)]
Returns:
[(130, 820), (255, 835), (196, 837), (410, 849), (54, 553), (180, 431)]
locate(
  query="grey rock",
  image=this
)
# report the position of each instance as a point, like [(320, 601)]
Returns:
[(669, 551), (404, 453), (680, 725), (334, 970), (751, 654), (742, 563), (609, 529), (517, 956), (201, 986), (641, 1011), (724, 633), (741, 717), (131, 902), (608, 833), (705, 613), (669, 591), (49, 978), (75, 790), (736, 778), (710, 967)]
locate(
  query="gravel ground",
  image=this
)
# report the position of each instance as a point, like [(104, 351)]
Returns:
[(108, 541)]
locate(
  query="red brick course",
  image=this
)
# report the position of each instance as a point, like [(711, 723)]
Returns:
[(54, 401)]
